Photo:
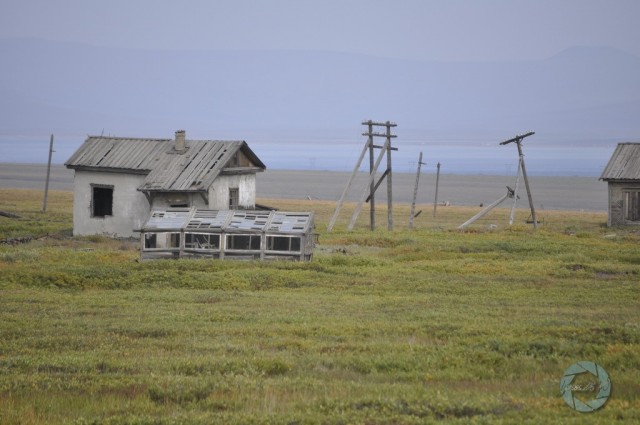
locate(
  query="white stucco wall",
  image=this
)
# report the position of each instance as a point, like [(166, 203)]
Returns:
[(130, 207), (219, 191)]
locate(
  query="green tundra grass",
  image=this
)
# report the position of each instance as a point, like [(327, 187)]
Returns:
[(406, 327)]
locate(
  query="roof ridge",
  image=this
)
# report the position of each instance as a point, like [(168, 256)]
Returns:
[(165, 140), (129, 138)]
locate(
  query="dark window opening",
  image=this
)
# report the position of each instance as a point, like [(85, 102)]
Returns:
[(283, 243), (632, 206), (102, 201), (243, 242), (161, 241), (175, 240), (150, 240), (234, 198), (201, 241)]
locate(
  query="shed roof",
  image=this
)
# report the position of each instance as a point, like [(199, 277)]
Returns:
[(215, 221), (191, 170), (624, 164)]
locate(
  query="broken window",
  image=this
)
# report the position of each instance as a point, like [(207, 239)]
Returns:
[(101, 200), (632, 205), (243, 242), (283, 243), (234, 198), (150, 240), (162, 241), (201, 241)]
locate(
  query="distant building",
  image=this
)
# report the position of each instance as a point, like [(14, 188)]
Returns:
[(622, 175), (119, 181)]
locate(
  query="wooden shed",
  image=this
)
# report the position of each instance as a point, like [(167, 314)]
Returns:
[(622, 175), (197, 232)]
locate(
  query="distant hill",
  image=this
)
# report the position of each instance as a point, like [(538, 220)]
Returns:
[(580, 94)]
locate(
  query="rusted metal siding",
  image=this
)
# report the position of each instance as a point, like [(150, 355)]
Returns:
[(624, 163)]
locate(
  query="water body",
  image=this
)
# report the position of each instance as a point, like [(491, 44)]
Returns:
[(338, 154), (549, 192)]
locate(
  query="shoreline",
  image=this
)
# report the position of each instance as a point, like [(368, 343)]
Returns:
[(549, 192)]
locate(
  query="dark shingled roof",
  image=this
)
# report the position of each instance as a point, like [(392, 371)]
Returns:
[(191, 170), (624, 163)]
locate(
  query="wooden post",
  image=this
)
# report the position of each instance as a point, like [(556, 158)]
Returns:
[(373, 167), (435, 202), (526, 185), (415, 193), (46, 185), (389, 183), (332, 222), (372, 191), (354, 217), (515, 195), (518, 141)]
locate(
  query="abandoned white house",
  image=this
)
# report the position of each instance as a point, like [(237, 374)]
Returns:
[(622, 175), (119, 181)]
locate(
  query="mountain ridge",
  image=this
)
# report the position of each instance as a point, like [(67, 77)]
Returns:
[(78, 88)]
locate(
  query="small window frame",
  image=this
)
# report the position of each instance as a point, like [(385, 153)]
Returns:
[(275, 243), (631, 205), (101, 195), (234, 198), (234, 239)]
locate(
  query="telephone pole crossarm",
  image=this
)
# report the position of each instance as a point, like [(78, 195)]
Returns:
[(518, 138)]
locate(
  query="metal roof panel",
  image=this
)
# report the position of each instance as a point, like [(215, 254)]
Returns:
[(624, 163)]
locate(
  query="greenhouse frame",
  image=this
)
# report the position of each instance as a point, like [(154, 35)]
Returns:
[(223, 234)]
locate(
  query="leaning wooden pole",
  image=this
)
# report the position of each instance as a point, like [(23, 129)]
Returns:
[(372, 191), (487, 209), (435, 202), (515, 195), (389, 183), (46, 185), (518, 141), (415, 193), (356, 212), (526, 185), (332, 222)]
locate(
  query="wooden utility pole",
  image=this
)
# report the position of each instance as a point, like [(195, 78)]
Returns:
[(372, 186), (46, 185), (373, 167), (515, 193), (415, 193), (334, 217), (518, 141), (435, 202), (389, 175)]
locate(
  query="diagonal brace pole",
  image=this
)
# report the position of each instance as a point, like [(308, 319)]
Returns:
[(372, 176)]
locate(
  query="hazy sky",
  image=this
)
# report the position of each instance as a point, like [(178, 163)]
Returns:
[(417, 29)]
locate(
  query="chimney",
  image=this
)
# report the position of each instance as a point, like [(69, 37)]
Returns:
[(181, 143)]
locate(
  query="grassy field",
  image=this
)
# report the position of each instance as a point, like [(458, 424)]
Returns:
[(411, 326)]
